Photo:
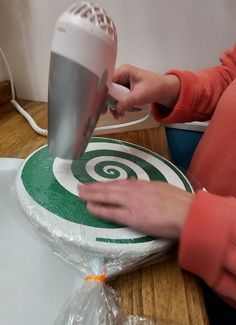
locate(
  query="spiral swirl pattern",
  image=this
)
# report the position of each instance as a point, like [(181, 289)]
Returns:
[(107, 161), (53, 183), (50, 194)]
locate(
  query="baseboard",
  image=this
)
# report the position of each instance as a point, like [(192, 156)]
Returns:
[(5, 92)]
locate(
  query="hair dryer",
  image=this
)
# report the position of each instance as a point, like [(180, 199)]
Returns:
[(82, 62)]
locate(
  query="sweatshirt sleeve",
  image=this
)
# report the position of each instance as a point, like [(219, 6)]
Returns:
[(208, 243), (199, 91)]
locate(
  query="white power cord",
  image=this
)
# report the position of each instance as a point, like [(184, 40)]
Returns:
[(122, 125), (20, 109), (44, 132)]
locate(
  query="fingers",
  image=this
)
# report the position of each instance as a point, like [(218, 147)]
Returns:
[(118, 214), (116, 115), (131, 76), (136, 98), (104, 193), (116, 200), (127, 102), (104, 109), (107, 200), (123, 74), (122, 185), (154, 208)]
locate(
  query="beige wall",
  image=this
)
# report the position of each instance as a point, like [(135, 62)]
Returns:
[(153, 34)]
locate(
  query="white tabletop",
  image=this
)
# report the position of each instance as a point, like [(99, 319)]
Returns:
[(34, 283)]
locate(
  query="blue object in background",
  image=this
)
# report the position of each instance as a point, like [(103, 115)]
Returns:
[(183, 139)]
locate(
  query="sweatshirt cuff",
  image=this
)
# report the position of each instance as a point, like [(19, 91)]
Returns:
[(181, 112), (204, 237)]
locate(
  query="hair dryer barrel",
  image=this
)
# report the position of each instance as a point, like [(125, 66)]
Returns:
[(75, 100)]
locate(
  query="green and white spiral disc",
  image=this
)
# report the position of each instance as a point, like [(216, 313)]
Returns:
[(47, 190)]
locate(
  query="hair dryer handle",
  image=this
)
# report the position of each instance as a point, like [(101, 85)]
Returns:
[(116, 93)]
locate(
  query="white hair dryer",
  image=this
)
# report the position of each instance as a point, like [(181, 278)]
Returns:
[(82, 63)]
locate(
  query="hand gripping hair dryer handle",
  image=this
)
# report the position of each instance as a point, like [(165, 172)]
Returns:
[(116, 93)]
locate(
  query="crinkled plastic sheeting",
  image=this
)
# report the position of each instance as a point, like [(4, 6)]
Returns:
[(47, 190)]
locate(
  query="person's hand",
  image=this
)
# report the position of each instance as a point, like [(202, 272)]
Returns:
[(146, 87), (154, 208)]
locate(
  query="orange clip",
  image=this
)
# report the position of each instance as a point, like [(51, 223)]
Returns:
[(99, 278)]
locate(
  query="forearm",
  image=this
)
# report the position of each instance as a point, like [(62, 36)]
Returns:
[(169, 91), (199, 91)]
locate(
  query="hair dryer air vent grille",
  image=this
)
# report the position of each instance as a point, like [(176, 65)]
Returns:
[(96, 16)]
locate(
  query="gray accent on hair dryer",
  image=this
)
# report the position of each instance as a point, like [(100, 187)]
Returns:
[(75, 100)]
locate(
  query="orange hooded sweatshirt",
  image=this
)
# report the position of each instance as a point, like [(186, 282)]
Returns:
[(208, 239)]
